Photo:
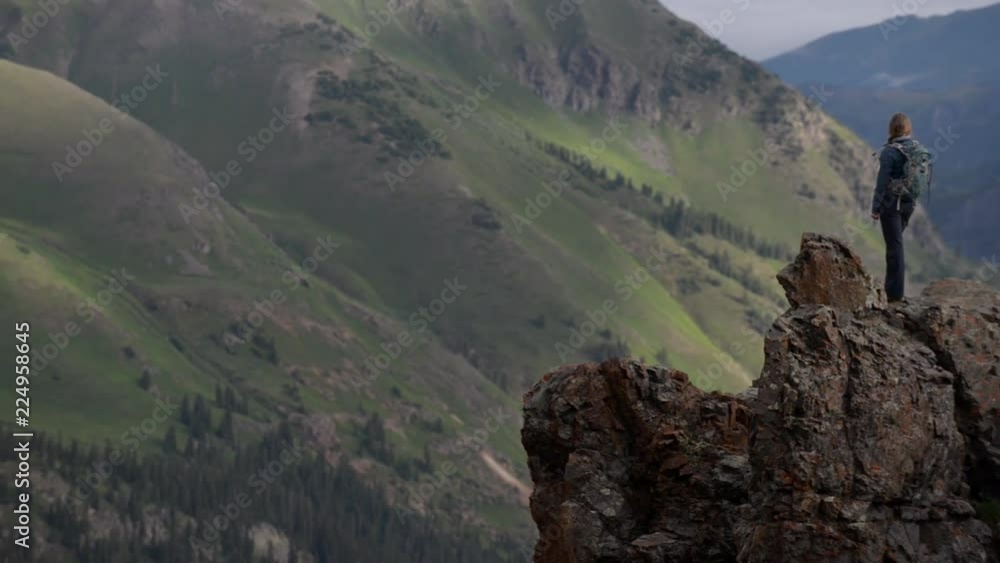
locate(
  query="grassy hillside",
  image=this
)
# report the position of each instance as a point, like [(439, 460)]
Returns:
[(183, 291), (392, 238), (508, 193)]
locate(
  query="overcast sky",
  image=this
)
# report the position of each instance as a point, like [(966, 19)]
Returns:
[(763, 28)]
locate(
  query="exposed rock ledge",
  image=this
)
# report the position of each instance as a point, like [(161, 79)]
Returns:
[(872, 434)]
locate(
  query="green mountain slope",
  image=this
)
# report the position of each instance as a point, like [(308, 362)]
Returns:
[(180, 304), (393, 238), (509, 192)]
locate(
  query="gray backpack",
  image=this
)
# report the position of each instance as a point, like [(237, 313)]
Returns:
[(918, 171)]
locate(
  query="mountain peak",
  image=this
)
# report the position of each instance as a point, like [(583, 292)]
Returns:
[(871, 435)]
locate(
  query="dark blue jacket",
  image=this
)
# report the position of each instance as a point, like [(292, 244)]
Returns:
[(891, 163)]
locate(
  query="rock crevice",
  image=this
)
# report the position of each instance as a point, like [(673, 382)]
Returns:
[(872, 434)]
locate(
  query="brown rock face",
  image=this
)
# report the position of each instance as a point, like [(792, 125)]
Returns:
[(873, 434), (828, 272), (610, 443)]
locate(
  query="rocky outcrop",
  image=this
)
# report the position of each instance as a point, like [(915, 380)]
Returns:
[(630, 463), (826, 272), (872, 434)]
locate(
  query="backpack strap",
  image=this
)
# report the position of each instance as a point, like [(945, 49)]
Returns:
[(930, 182), (899, 147)]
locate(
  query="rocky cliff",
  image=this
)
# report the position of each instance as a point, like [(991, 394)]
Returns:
[(872, 434)]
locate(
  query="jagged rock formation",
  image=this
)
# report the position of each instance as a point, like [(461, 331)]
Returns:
[(826, 272), (873, 434)]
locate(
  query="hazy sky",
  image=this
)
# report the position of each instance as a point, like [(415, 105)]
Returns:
[(762, 28)]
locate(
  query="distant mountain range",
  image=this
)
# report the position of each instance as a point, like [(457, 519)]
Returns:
[(368, 226), (945, 73)]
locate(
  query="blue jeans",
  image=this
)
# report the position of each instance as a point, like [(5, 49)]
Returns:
[(894, 222)]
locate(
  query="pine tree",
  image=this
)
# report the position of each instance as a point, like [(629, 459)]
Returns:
[(427, 459), (185, 411), (230, 398), (226, 427), (170, 441), (201, 418)]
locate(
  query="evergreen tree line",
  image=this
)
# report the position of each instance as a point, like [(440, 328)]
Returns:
[(720, 262), (163, 501), (674, 216)]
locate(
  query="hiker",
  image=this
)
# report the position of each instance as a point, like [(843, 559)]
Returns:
[(905, 169)]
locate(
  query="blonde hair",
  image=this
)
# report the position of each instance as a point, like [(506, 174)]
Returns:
[(900, 126)]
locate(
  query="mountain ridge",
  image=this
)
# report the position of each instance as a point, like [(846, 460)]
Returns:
[(902, 46), (393, 246)]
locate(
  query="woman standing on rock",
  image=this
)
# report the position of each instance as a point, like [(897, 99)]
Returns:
[(905, 170)]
